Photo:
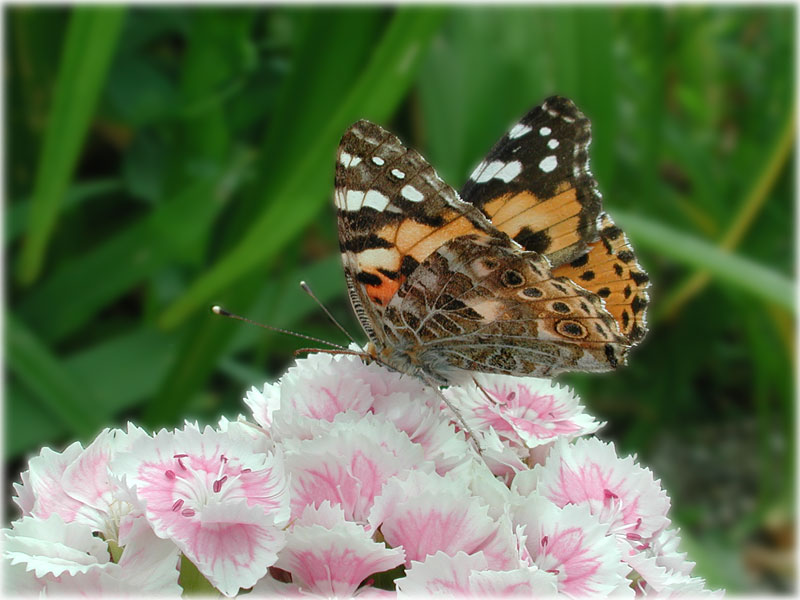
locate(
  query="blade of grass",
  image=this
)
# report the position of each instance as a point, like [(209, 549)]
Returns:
[(750, 207), (60, 392), (19, 212), (123, 262), (302, 193), (27, 426), (738, 271), (91, 40)]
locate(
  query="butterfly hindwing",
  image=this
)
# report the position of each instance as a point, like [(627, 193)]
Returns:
[(481, 304), (535, 184), (609, 269)]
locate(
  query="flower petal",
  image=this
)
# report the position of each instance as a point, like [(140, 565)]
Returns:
[(574, 545), (330, 556), (440, 575), (349, 465), (52, 547), (619, 491), (44, 478), (427, 513)]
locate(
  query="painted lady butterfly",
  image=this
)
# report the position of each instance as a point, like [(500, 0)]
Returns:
[(522, 273)]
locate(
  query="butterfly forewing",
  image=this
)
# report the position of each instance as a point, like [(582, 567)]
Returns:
[(394, 211), (535, 184)]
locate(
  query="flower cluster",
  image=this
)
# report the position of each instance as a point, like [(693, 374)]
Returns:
[(352, 480)]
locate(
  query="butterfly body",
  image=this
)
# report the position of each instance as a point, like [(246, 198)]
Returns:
[(518, 277)]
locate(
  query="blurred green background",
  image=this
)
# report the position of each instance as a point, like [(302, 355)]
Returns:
[(159, 161)]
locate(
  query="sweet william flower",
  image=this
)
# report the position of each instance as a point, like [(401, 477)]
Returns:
[(217, 495), (525, 411), (330, 556), (75, 484), (426, 513), (619, 491), (349, 463), (50, 557), (321, 387), (572, 544), (351, 476), (466, 575)]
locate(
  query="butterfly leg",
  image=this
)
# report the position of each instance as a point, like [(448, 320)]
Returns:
[(363, 355), (473, 438), (485, 393)]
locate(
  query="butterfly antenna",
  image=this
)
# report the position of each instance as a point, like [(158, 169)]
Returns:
[(218, 310), (307, 289)]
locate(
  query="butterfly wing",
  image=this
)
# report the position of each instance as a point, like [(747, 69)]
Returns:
[(609, 269), (551, 205), (393, 212), (481, 304), (535, 184)]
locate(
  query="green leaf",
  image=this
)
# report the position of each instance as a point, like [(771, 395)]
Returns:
[(59, 391), (193, 582), (123, 261), (301, 194), (690, 250), (19, 212), (89, 46)]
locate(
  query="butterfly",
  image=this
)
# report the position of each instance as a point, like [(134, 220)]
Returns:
[(521, 273)]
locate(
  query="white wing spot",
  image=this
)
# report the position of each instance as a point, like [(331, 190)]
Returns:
[(552, 144), (488, 171), (409, 192), (376, 200), (545, 131), (398, 173), (378, 160), (477, 171), (497, 170), (518, 130), (509, 171), (548, 163), (353, 200), (348, 160)]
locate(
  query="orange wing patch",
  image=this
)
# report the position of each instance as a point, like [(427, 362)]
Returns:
[(610, 270), (549, 226), (383, 270)]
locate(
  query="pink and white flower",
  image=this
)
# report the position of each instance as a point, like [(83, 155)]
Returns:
[(617, 490), (574, 545), (331, 556), (661, 570), (348, 463), (76, 485), (426, 513), (321, 387), (48, 556), (349, 472), (216, 495), (463, 575), (525, 411)]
